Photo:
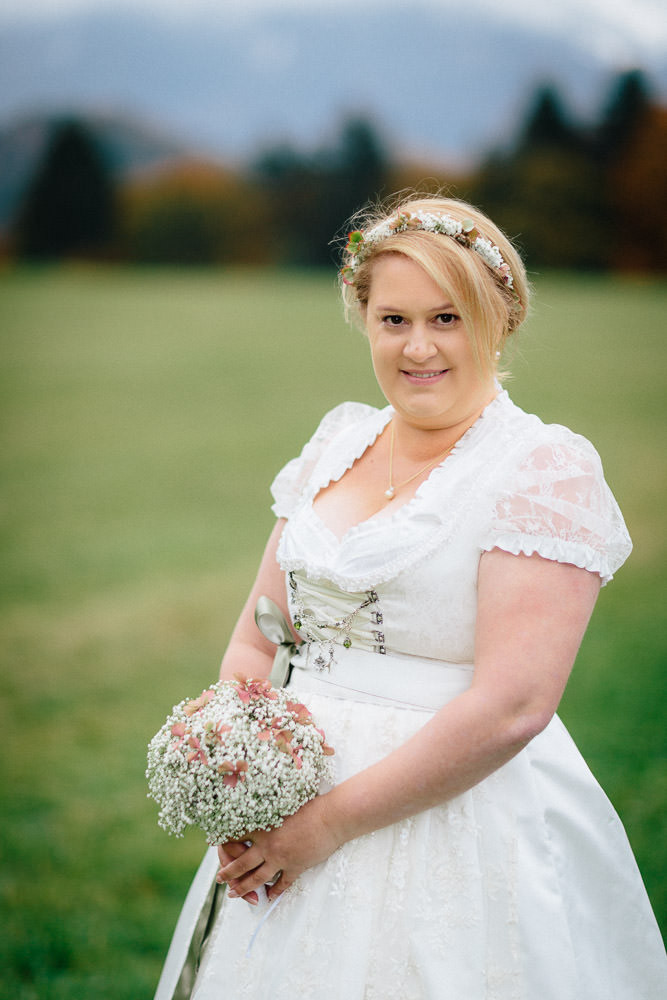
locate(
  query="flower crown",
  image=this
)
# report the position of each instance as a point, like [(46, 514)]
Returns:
[(359, 244)]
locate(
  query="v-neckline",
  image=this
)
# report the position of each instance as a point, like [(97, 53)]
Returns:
[(379, 518)]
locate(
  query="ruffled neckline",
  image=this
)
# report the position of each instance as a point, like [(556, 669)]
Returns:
[(349, 451)]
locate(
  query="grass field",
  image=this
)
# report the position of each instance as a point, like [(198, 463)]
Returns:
[(143, 415)]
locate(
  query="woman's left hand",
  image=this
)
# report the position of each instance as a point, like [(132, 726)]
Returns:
[(279, 856)]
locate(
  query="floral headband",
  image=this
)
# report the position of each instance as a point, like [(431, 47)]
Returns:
[(359, 244)]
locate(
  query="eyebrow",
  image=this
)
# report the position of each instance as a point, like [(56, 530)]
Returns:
[(437, 309)]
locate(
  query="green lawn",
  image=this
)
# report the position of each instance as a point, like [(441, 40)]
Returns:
[(144, 414)]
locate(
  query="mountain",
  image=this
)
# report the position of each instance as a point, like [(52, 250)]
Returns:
[(442, 79), (441, 82)]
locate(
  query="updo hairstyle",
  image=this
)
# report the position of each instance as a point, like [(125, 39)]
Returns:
[(490, 310)]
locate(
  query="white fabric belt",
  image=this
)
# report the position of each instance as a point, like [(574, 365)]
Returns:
[(392, 678)]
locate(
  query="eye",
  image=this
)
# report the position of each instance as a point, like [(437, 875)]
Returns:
[(446, 319), (393, 319)]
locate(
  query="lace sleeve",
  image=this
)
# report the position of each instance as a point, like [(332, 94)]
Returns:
[(290, 483), (560, 507)]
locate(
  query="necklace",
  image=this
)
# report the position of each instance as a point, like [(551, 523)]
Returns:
[(391, 490)]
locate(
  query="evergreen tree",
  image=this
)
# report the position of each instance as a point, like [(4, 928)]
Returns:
[(69, 206), (314, 195), (628, 105), (548, 125)]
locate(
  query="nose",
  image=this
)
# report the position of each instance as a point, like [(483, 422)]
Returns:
[(419, 346)]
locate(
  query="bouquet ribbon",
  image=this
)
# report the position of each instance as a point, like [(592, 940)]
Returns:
[(272, 623)]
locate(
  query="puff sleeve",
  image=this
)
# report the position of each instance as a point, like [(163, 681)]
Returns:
[(292, 480), (557, 504)]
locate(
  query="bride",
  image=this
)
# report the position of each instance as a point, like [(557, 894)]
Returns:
[(439, 560)]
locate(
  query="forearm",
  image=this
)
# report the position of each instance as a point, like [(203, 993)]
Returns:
[(526, 643), (464, 742)]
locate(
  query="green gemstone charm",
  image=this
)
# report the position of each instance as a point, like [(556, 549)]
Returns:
[(347, 643), (297, 624)]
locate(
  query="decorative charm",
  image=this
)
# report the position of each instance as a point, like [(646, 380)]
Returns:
[(311, 628)]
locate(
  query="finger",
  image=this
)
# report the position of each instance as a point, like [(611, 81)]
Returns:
[(279, 887), (250, 897), (248, 861), (230, 851), (252, 881)]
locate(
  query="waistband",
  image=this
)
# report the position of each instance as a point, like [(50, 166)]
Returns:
[(391, 679)]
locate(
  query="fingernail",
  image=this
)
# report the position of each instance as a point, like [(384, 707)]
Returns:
[(233, 894), (253, 902), (219, 879)]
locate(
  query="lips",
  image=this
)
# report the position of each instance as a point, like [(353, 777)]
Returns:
[(425, 376)]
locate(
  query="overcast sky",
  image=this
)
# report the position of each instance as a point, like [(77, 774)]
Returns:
[(616, 28)]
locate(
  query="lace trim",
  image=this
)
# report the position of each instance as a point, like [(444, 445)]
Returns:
[(555, 549), (442, 527), (289, 485), (342, 462), (555, 474)]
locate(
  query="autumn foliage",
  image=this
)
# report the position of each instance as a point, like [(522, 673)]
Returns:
[(574, 195)]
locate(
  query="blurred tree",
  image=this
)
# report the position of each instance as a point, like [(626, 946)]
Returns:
[(356, 174), (289, 182), (551, 203), (548, 125), (628, 105), (69, 208), (546, 191), (192, 212), (637, 197), (314, 195)]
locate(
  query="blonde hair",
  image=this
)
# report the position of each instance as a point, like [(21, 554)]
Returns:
[(490, 310)]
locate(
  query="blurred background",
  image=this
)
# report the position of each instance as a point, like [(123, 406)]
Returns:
[(171, 179), (215, 133)]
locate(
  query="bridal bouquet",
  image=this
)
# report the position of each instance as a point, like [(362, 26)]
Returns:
[(240, 757)]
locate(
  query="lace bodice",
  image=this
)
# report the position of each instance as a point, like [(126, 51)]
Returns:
[(511, 482)]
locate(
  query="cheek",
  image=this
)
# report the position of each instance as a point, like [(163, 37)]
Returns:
[(383, 352), (464, 349)]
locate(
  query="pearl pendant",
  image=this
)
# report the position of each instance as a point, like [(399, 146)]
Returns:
[(390, 493)]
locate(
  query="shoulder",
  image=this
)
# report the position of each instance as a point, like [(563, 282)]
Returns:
[(343, 417), (551, 497), (535, 445), (342, 434)]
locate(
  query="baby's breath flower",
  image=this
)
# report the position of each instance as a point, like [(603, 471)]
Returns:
[(360, 244), (239, 758)]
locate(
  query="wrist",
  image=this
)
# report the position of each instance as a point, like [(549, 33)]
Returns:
[(333, 817)]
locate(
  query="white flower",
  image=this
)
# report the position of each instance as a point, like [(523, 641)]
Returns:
[(239, 758), (432, 222)]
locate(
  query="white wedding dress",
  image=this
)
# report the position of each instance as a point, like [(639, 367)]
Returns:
[(524, 887)]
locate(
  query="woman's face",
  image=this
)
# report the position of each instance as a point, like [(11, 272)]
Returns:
[(421, 353)]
